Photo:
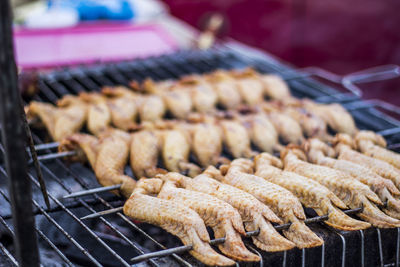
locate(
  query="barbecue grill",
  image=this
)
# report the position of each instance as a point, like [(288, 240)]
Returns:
[(58, 235)]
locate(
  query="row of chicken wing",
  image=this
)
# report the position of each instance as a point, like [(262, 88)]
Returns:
[(249, 195), (123, 108)]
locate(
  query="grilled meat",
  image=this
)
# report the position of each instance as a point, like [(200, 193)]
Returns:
[(145, 150), (107, 155), (99, 114), (310, 193), (320, 153), (261, 131), (175, 218), (175, 152), (251, 89), (236, 139), (275, 87), (122, 103), (217, 214), (278, 199), (255, 215), (352, 192), (345, 145), (226, 89), (62, 121), (374, 145), (338, 118)]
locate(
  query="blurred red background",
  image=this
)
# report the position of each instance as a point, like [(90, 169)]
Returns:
[(342, 36)]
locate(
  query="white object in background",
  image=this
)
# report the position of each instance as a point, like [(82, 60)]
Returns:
[(146, 10), (52, 18)]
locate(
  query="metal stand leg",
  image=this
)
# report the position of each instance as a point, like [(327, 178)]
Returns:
[(14, 139)]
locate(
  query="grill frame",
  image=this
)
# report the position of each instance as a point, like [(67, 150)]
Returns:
[(53, 85)]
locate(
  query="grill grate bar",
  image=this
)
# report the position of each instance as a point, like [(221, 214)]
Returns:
[(108, 205), (8, 254), (43, 236)]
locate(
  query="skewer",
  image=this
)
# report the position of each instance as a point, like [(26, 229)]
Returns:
[(54, 156), (182, 249), (102, 213), (47, 146), (92, 191)]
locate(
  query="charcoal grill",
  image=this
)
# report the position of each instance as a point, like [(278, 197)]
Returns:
[(65, 240)]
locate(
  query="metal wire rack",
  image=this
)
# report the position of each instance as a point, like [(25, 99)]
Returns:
[(65, 239)]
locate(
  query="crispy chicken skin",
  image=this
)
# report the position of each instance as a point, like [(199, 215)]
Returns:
[(175, 152), (344, 146), (62, 121), (122, 103), (352, 192), (107, 155), (177, 101), (278, 199), (312, 125), (255, 215), (145, 149), (374, 145), (251, 89), (151, 108), (217, 214), (275, 87), (337, 117), (99, 114), (206, 142), (226, 89), (236, 139), (310, 193), (202, 94), (175, 218), (289, 130), (261, 131), (321, 154)]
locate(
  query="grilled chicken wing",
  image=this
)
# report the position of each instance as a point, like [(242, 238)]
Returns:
[(320, 153), (203, 95), (175, 153), (275, 87), (217, 214), (151, 108), (251, 89), (374, 145), (312, 125), (175, 218), (99, 115), (145, 150), (255, 215), (62, 121), (311, 193), (206, 143), (289, 130), (123, 107), (176, 100), (352, 192), (107, 155), (338, 118), (344, 145), (236, 139), (261, 131), (280, 200), (226, 89)]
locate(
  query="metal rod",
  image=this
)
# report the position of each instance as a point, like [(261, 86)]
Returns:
[(181, 249), (54, 156), (93, 191), (14, 138), (102, 213), (46, 146), (380, 249)]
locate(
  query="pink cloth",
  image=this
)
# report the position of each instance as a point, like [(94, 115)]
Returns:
[(88, 43)]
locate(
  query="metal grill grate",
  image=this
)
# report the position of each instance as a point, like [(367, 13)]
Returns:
[(114, 240)]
